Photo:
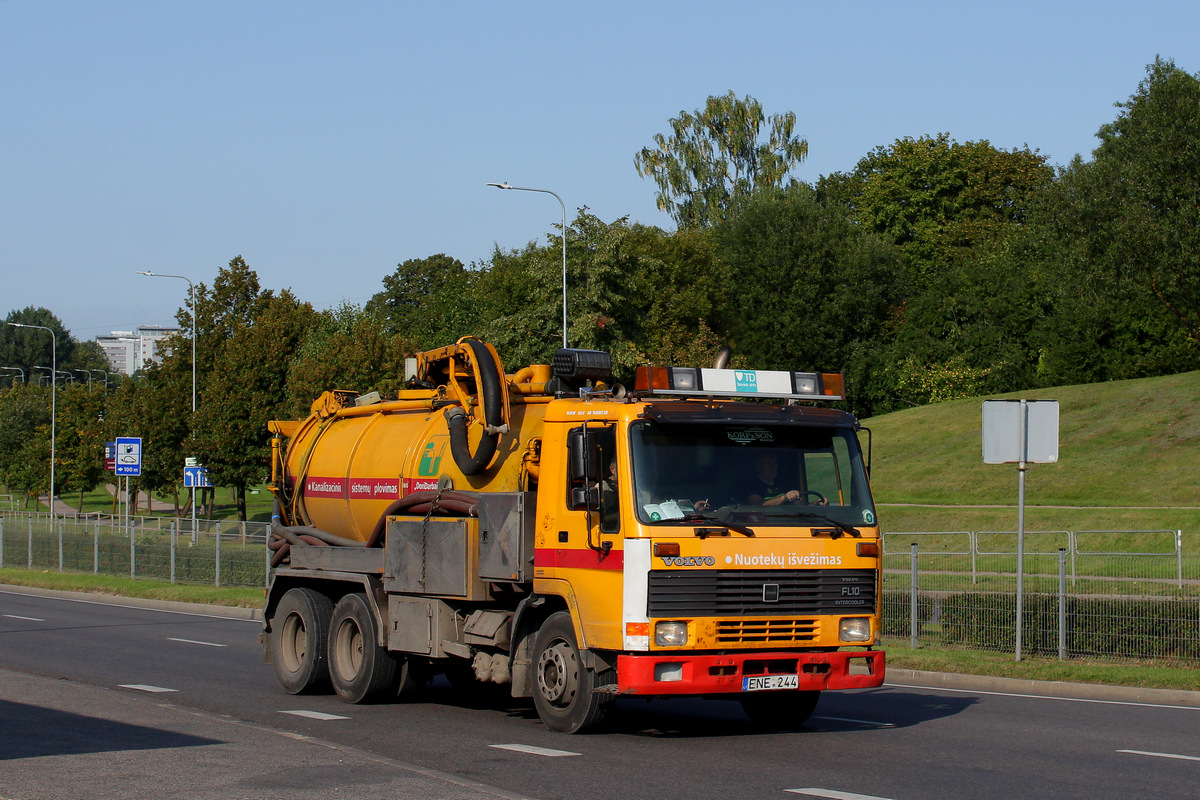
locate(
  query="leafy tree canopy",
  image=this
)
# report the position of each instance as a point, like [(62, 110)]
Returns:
[(716, 156), (1146, 191), (427, 301), (934, 196), (345, 348), (245, 391), (805, 285), (28, 348)]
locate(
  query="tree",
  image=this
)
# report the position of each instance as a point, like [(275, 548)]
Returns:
[(80, 446), (805, 287), (26, 348), (1119, 243), (247, 389), (715, 156), (162, 418), (935, 197), (25, 438), (346, 348), (634, 291), (427, 301), (1148, 191), (976, 330)]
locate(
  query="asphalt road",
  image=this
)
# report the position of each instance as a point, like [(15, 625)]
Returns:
[(100, 700)]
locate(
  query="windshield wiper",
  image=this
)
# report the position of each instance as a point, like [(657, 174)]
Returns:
[(839, 525), (724, 523), (696, 517)]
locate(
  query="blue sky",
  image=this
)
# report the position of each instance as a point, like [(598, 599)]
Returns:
[(327, 142)]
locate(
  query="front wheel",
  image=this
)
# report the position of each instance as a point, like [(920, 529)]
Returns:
[(564, 691), (780, 710), (361, 670), (300, 628)]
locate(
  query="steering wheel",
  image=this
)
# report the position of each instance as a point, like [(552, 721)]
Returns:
[(820, 497)]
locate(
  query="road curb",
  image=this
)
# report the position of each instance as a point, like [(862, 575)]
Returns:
[(896, 677), (1074, 691), (232, 612)]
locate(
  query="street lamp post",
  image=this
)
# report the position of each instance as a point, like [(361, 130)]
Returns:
[(505, 185), (53, 397), (192, 289), (89, 374), (16, 369)]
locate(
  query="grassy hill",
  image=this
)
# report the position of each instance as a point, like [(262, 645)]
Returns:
[(1129, 459)]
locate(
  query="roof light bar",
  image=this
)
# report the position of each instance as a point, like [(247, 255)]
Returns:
[(741, 383)]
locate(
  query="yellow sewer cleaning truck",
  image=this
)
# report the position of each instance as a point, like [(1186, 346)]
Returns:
[(708, 533)]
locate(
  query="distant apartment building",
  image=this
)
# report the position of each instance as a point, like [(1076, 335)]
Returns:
[(129, 351)]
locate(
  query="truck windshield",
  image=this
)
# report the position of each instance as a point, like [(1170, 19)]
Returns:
[(767, 476)]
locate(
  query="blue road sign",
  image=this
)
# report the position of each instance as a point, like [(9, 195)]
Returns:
[(129, 456), (196, 478)]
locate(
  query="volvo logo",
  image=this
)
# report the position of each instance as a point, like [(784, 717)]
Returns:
[(689, 561), (770, 592)]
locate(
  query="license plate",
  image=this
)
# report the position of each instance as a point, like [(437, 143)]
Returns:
[(760, 683)]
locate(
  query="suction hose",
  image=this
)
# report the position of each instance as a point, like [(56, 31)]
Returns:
[(462, 503), (456, 418)]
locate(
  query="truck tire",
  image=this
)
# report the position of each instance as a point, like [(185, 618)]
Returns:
[(564, 690), (300, 632), (780, 710), (360, 669)]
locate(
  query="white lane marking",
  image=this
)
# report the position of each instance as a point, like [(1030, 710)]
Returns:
[(1160, 755), (193, 641), (27, 619), (141, 687), (1043, 697), (313, 715), (537, 751), (834, 795), (859, 722), (132, 607)]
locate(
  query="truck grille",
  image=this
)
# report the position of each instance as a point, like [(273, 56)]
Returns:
[(777, 631), (760, 593)]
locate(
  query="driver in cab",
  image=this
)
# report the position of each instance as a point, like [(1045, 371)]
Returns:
[(765, 489)]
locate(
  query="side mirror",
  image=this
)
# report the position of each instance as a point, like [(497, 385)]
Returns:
[(585, 497), (583, 468)]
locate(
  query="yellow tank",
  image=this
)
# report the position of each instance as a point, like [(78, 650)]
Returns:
[(345, 467)]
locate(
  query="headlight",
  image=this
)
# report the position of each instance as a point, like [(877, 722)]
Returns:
[(670, 634), (855, 629)]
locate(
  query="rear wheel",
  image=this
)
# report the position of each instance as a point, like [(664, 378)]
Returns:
[(564, 691), (300, 628), (360, 669), (778, 710)]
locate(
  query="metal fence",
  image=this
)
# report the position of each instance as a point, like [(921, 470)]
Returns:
[(1101, 595), (216, 552)]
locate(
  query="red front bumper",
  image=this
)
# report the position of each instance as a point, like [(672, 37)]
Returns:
[(685, 673)]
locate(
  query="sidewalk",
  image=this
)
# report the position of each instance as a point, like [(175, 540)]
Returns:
[(155, 504), (65, 509), (65, 739)]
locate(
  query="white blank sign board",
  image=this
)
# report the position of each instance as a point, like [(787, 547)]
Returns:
[(1003, 423)]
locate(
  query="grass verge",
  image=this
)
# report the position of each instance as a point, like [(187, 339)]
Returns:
[(1002, 665), (129, 587)]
